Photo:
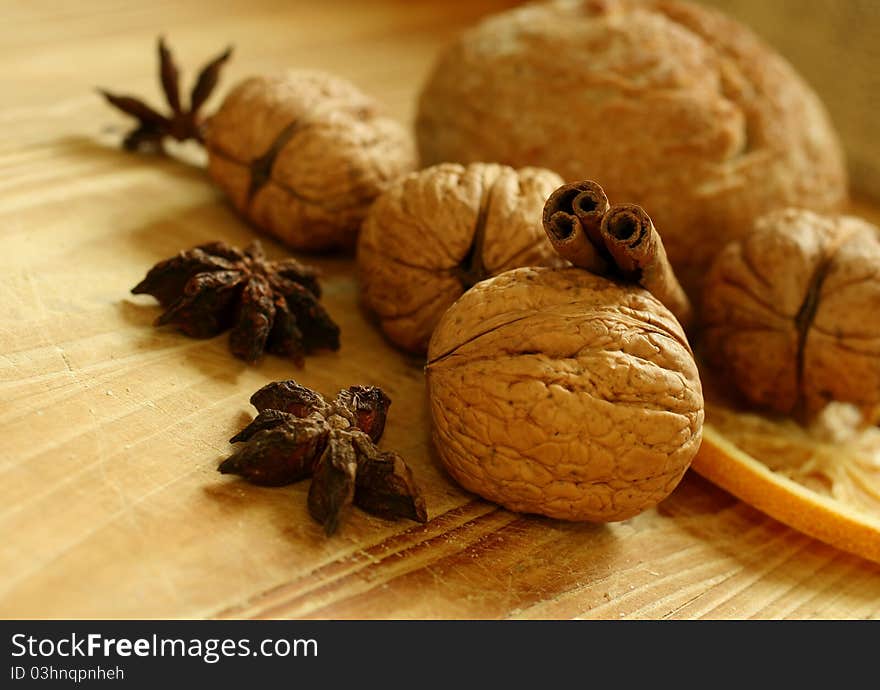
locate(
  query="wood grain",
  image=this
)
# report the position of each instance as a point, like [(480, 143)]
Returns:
[(110, 503)]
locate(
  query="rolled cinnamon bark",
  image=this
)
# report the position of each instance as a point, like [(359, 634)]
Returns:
[(635, 247), (617, 241), (572, 220)]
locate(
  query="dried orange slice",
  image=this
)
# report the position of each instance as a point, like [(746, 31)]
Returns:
[(823, 480)]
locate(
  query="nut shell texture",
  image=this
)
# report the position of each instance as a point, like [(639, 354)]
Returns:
[(303, 154), (435, 233), (666, 104), (558, 392), (790, 312)]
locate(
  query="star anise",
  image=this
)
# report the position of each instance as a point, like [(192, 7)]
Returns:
[(298, 434), (182, 123), (271, 306)]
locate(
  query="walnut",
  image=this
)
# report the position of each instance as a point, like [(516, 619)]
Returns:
[(437, 232), (668, 105), (560, 392), (302, 155), (790, 312)]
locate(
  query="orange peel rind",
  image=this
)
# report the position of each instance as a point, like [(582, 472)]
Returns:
[(821, 516)]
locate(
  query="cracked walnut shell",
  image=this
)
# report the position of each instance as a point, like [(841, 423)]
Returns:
[(302, 155), (439, 231), (669, 105), (790, 312), (559, 392)]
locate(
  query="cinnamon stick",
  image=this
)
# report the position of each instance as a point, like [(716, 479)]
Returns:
[(637, 251), (572, 220), (618, 242)]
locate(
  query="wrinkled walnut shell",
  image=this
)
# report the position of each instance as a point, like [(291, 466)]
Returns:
[(437, 232), (558, 392), (303, 155), (790, 312), (668, 105)]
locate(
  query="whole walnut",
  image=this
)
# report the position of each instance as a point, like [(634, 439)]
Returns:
[(669, 105), (790, 312), (435, 233), (559, 392), (303, 154)]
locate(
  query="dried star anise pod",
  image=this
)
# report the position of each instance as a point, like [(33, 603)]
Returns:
[(271, 306), (298, 433), (181, 124)]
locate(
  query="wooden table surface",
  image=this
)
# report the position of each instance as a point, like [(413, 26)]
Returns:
[(110, 502)]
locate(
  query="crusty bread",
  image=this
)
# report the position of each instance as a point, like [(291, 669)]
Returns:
[(666, 104)]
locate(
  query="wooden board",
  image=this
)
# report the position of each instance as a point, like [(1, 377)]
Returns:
[(110, 503)]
